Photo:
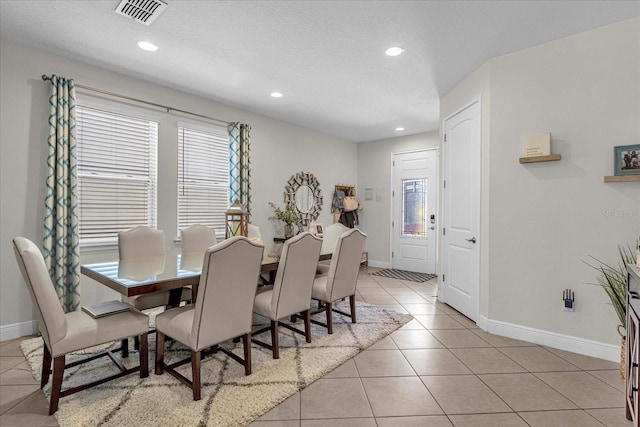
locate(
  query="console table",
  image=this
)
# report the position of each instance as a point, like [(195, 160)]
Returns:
[(633, 341)]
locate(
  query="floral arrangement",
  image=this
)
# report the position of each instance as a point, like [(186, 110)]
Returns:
[(288, 215)]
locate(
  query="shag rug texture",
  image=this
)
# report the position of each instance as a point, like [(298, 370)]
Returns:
[(404, 275), (229, 398)]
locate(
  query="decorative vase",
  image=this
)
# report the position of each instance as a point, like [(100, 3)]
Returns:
[(288, 231)]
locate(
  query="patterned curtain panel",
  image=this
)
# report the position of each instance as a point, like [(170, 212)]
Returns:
[(240, 164), (61, 241)]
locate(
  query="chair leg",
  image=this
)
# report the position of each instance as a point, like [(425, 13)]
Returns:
[(274, 339), (307, 325), (56, 386), (46, 367), (136, 343), (195, 374), (125, 347), (329, 318), (144, 355), (159, 352), (352, 303), (246, 343)]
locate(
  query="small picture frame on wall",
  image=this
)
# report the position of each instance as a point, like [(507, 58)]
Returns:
[(626, 159)]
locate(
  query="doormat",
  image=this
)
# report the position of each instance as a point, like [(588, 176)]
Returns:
[(404, 275)]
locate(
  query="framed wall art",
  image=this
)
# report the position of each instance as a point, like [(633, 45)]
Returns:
[(626, 159)]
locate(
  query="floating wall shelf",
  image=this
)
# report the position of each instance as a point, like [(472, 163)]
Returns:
[(536, 159), (622, 178)]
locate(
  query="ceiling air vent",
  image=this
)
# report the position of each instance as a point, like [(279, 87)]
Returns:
[(143, 11)]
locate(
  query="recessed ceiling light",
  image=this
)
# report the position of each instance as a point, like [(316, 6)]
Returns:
[(394, 51), (276, 94), (399, 129), (148, 46)]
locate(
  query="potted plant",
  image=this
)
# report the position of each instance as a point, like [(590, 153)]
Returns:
[(613, 280), (289, 216)]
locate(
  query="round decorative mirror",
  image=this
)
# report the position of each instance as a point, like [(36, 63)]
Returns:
[(304, 194), (304, 199)]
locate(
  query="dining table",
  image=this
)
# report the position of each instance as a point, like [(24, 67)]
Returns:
[(172, 272)]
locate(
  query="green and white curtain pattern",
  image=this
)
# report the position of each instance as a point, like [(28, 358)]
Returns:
[(240, 164), (61, 240)]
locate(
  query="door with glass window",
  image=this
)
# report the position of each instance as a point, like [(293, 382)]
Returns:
[(414, 223)]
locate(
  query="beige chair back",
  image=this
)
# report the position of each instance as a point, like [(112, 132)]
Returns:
[(141, 241), (345, 264), (197, 238), (228, 282), (295, 275), (254, 231), (52, 321), (330, 236)]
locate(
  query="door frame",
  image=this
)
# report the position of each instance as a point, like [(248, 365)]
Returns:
[(478, 219), (437, 186)]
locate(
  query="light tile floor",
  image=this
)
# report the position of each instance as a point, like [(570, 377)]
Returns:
[(438, 370)]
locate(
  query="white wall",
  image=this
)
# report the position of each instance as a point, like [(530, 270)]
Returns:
[(374, 171), (278, 151), (545, 218)]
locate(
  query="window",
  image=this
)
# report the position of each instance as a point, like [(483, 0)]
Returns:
[(117, 158), (414, 207), (203, 176)]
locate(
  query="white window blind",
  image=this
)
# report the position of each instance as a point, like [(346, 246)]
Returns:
[(117, 173), (203, 177)]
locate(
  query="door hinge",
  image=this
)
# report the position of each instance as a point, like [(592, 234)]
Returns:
[(393, 163), (445, 137), (392, 254), (393, 193), (393, 223), (444, 232), (444, 183), (443, 277)]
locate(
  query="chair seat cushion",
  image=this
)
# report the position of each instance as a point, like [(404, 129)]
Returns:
[(177, 323), (83, 331), (262, 303), (322, 269), (319, 290)]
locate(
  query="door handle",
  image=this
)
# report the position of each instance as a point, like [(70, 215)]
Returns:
[(432, 228), (472, 240)]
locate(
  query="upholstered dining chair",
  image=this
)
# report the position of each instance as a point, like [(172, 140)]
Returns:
[(254, 232), (197, 238), (139, 242), (222, 311), (291, 292), (329, 240), (64, 333), (341, 279)]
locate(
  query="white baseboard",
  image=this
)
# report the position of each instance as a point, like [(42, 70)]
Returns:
[(379, 264), (551, 339), (17, 330)]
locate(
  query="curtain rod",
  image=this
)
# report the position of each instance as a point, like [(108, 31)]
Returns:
[(166, 107)]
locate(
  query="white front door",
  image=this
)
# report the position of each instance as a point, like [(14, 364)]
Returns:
[(414, 209), (461, 209)]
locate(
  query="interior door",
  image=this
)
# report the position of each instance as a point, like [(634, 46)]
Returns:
[(461, 210), (414, 199)]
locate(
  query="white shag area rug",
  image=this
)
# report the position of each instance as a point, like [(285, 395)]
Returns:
[(229, 398)]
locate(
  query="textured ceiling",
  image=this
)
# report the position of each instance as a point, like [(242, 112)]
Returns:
[(327, 57)]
